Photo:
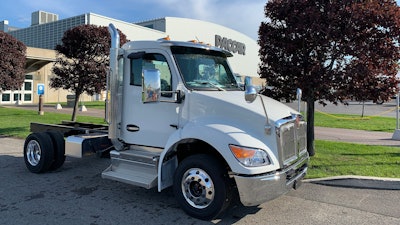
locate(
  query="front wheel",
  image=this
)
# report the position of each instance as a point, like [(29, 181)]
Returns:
[(202, 186)]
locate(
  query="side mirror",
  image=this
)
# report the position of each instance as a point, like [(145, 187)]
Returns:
[(151, 85), (247, 81), (250, 94)]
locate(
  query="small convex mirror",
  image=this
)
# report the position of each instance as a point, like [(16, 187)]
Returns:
[(250, 92), (151, 85)]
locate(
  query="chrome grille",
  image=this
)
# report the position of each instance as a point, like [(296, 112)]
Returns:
[(301, 132), (292, 139), (287, 141)]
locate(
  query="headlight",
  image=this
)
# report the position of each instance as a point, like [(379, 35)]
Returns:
[(250, 157)]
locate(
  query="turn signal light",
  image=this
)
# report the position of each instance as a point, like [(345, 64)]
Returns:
[(250, 157)]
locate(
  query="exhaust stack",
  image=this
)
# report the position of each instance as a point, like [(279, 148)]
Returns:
[(112, 117)]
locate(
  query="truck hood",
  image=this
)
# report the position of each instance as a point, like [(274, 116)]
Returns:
[(231, 105)]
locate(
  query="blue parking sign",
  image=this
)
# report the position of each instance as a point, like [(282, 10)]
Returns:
[(40, 89)]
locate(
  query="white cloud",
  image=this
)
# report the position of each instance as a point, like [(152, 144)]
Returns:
[(242, 15)]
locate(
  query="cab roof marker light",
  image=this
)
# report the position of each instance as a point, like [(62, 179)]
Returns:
[(167, 38)]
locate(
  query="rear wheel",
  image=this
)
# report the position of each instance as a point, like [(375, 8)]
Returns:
[(38, 152), (202, 187), (58, 141)]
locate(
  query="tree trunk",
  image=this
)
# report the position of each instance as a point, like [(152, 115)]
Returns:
[(310, 126), (75, 109), (363, 109)]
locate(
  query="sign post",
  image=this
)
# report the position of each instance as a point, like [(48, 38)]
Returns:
[(299, 94), (396, 134), (40, 92)]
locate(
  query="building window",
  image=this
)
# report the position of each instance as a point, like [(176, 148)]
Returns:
[(5, 97), (27, 97), (16, 96), (28, 86)]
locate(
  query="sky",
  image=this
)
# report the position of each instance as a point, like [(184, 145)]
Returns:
[(244, 16)]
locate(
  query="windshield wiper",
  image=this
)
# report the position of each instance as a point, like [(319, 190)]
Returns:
[(210, 83)]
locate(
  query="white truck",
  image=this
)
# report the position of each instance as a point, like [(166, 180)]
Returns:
[(177, 117)]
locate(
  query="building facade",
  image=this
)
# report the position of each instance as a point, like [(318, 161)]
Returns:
[(47, 31)]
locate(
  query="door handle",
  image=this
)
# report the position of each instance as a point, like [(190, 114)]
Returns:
[(132, 128)]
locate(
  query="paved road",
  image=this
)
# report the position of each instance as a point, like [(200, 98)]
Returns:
[(387, 109), (76, 194)]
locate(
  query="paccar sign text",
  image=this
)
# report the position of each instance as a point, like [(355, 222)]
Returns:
[(230, 45)]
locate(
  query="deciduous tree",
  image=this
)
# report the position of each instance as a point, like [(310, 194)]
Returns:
[(333, 50), (12, 62), (82, 61)]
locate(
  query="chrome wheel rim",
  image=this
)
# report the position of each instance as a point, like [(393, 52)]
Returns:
[(33, 152), (198, 188)]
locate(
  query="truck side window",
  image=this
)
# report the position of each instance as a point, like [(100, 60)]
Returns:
[(152, 61)]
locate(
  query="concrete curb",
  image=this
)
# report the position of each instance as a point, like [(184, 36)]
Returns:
[(361, 182)]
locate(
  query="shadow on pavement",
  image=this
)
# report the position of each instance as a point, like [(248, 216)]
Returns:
[(360, 183)]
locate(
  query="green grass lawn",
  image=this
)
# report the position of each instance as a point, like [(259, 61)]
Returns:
[(384, 124), (337, 158), (16, 122)]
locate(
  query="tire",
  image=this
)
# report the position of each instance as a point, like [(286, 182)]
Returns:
[(38, 152), (202, 187), (58, 142)]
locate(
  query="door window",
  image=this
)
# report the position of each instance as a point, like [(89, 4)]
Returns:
[(152, 61)]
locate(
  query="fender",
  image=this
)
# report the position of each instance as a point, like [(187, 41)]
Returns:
[(219, 136)]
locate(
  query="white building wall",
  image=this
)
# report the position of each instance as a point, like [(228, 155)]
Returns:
[(184, 29)]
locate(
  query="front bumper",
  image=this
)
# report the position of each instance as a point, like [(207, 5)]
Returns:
[(254, 190)]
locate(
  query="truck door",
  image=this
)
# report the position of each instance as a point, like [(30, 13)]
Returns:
[(148, 124)]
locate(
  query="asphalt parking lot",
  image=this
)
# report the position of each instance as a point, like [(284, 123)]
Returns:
[(76, 194)]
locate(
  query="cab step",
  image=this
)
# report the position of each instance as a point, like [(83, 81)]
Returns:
[(135, 167)]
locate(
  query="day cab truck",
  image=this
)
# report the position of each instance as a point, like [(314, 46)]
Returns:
[(177, 118)]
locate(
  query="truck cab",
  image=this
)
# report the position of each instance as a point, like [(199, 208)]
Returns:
[(178, 118), (181, 105)]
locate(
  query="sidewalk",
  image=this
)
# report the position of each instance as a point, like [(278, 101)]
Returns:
[(356, 136)]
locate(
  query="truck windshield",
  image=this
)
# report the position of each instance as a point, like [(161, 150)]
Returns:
[(204, 69)]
